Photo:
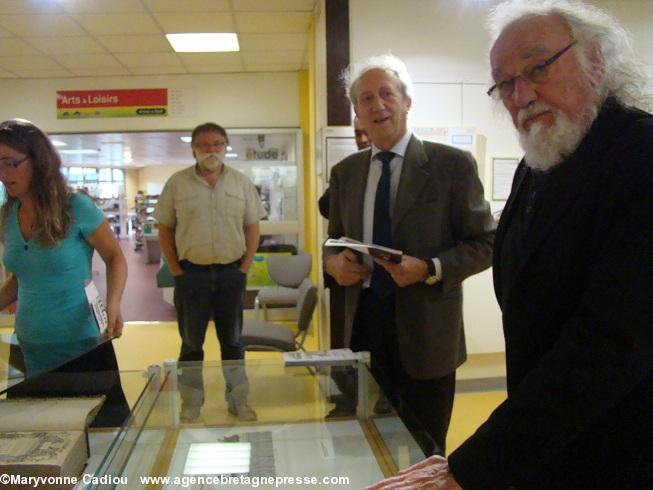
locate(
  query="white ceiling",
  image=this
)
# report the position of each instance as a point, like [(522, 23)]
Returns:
[(81, 38), (111, 149)]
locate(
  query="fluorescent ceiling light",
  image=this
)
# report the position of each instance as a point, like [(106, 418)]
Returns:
[(186, 139), (204, 42), (59, 143)]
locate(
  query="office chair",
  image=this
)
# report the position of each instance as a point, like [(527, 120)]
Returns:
[(262, 335), (288, 271)]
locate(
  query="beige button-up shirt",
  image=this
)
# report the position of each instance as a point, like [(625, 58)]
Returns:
[(209, 221)]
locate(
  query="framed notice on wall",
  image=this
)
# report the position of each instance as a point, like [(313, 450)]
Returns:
[(503, 171)]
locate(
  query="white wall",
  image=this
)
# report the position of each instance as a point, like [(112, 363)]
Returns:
[(444, 44), (232, 100)]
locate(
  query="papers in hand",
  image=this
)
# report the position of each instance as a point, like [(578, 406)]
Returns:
[(379, 251), (331, 356), (97, 306)]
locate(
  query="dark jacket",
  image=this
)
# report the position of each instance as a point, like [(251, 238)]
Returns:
[(577, 309)]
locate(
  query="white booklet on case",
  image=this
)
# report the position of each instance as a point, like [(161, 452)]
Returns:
[(331, 356), (379, 251), (97, 306)]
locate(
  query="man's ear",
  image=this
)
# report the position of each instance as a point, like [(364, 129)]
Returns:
[(596, 65)]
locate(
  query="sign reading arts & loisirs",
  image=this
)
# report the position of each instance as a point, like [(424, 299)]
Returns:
[(145, 102)]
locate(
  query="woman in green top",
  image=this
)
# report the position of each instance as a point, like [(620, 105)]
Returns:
[(49, 234)]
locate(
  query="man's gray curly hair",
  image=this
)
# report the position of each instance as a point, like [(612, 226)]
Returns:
[(387, 62), (625, 77)]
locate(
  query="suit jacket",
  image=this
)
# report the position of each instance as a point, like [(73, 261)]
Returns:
[(578, 322), (439, 211)]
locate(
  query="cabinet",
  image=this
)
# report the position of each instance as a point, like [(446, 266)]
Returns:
[(272, 159), (144, 224), (115, 211)]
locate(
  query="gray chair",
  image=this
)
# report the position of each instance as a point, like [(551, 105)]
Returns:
[(288, 271), (261, 335)]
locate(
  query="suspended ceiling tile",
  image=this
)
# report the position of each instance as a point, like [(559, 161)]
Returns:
[(107, 24), (188, 5), (131, 60), (99, 71), (15, 63), (260, 42), (13, 46), (282, 5), (29, 7), (136, 44), (273, 57), (215, 69), (262, 22), (268, 68), (77, 61), (67, 45), (101, 6), (183, 22), (157, 70), (39, 73), (41, 25), (209, 60)]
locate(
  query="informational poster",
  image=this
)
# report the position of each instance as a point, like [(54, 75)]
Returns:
[(503, 171), (78, 104)]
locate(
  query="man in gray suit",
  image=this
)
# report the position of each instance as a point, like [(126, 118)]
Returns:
[(425, 199)]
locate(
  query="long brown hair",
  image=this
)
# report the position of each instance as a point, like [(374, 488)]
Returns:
[(48, 188)]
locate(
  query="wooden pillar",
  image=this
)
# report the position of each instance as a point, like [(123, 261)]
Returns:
[(337, 59)]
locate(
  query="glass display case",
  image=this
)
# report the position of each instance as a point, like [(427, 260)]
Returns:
[(291, 439), (143, 430)]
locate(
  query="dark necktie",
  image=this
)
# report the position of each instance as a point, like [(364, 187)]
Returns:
[(382, 284)]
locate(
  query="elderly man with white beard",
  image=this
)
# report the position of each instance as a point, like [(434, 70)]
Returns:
[(573, 264), (208, 217)]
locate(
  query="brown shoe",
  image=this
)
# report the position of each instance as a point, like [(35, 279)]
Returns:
[(243, 412)]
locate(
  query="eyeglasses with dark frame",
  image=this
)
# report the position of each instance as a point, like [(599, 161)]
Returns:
[(9, 164), (536, 74)]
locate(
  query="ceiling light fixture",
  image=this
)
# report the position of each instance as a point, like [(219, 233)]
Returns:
[(203, 42)]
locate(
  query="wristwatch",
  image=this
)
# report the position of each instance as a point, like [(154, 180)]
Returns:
[(432, 277)]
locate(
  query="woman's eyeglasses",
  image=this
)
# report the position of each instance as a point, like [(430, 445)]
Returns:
[(9, 164)]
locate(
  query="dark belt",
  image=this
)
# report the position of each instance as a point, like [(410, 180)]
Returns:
[(186, 264)]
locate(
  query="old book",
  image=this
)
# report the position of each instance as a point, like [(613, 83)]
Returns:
[(45, 437), (379, 251)]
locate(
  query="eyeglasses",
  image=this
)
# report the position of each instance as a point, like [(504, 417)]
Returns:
[(9, 164), (535, 74)]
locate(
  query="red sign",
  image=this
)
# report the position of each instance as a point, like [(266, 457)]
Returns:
[(112, 103)]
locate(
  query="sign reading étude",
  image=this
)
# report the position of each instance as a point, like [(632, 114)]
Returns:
[(146, 102)]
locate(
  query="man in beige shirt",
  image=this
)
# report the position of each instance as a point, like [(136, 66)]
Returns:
[(208, 218)]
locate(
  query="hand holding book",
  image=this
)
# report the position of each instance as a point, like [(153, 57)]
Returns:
[(378, 251)]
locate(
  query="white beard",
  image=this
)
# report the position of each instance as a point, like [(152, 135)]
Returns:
[(209, 161), (547, 147)]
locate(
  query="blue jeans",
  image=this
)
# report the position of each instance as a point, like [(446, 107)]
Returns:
[(218, 290)]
